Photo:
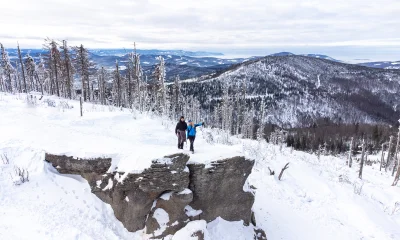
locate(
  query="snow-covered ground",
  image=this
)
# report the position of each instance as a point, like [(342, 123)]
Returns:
[(316, 199)]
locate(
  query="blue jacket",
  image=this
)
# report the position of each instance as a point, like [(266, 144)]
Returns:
[(191, 131)]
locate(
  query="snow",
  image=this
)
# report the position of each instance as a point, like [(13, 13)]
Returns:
[(185, 191), (190, 212), (109, 185), (317, 198), (162, 218), (166, 196), (186, 233)]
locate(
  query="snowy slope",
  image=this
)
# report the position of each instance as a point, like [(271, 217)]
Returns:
[(298, 90), (316, 198)]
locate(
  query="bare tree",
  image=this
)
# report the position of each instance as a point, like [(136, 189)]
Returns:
[(67, 69)]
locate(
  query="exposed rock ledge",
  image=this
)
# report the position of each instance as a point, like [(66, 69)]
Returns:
[(169, 194)]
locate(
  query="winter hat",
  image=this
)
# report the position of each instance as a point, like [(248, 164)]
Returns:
[(190, 121), (181, 117)]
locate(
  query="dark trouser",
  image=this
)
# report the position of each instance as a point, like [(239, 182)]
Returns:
[(181, 138), (191, 139)]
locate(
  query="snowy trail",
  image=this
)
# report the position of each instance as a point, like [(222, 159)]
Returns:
[(132, 143)]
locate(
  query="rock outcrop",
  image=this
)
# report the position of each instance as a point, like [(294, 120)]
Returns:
[(218, 189), (169, 194)]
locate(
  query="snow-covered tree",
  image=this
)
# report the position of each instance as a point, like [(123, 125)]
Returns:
[(160, 91), (7, 69), (261, 127), (31, 72)]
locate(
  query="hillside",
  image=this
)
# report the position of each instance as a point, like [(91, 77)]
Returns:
[(317, 198), (299, 90)]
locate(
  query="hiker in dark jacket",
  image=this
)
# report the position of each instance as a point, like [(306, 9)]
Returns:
[(180, 132), (191, 133)]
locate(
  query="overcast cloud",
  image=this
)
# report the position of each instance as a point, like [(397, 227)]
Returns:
[(216, 25)]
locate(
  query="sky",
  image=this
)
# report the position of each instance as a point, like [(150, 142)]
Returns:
[(353, 29)]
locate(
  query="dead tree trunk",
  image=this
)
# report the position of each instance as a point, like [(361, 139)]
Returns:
[(388, 156), (350, 153), (81, 107), (283, 169), (382, 157), (396, 157), (362, 160), (271, 172), (22, 68)]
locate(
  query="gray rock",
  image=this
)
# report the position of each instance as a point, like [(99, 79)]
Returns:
[(71, 165), (218, 190)]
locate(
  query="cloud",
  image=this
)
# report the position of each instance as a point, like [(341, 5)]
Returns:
[(202, 24)]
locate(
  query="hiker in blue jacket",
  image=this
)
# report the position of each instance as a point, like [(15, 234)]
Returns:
[(191, 132)]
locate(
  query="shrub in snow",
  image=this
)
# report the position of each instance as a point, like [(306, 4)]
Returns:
[(20, 176), (396, 208), (5, 159), (31, 101), (49, 102), (358, 185), (64, 105), (207, 135)]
